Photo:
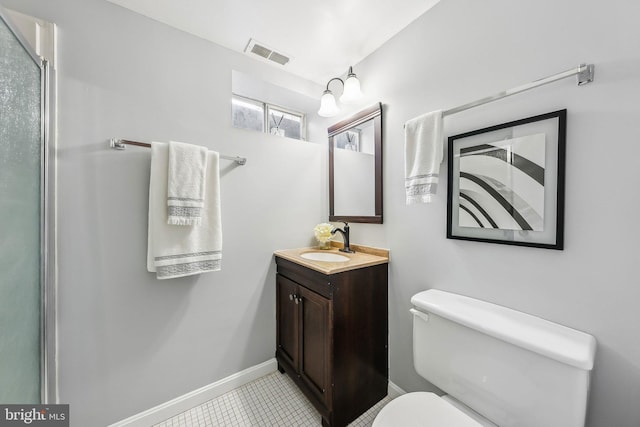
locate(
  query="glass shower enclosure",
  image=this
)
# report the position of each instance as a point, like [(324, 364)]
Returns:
[(23, 219)]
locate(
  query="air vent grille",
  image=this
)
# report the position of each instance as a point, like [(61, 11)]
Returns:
[(261, 51), (280, 59), (269, 54)]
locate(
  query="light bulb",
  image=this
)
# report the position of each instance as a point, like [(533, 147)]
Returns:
[(352, 93), (328, 107)]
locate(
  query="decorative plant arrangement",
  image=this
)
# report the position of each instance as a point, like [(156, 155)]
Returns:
[(275, 130), (323, 234)]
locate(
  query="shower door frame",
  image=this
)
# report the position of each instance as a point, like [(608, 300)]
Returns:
[(48, 363)]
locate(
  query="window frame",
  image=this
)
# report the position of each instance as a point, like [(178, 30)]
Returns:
[(266, 110)]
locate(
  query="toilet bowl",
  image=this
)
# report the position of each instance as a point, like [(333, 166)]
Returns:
[(500, 367), (426, 409)]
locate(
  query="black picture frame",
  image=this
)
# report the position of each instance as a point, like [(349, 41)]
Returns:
[(506, 183)]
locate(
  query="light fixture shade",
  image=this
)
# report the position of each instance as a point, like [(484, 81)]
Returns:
[(328, 107), (352, 93)]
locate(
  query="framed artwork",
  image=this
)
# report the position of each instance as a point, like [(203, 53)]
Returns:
[(506, 183)]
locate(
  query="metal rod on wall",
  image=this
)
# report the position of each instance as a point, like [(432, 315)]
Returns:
[(120, 144), (583, 71)]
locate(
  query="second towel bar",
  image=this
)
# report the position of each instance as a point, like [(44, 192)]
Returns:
[(121, 144)]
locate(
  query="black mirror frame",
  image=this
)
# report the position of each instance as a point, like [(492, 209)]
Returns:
[(373, 113)]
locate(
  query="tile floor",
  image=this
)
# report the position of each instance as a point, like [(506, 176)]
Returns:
[(273, 400)]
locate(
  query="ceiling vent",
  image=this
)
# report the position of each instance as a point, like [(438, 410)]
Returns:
[(259, 49)]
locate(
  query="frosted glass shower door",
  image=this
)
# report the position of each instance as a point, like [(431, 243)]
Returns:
[(20, 221)]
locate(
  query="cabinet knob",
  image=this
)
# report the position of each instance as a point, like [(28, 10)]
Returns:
[(290, 297), (298, 299)]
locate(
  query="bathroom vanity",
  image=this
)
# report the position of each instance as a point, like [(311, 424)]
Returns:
[(332, 328)]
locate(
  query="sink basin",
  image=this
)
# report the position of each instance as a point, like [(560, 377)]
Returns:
[(324, 256)]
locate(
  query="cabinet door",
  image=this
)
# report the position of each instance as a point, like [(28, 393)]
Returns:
[(316, 342), (288, 333)]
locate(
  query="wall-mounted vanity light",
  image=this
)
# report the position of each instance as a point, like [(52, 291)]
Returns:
[(351, 94)]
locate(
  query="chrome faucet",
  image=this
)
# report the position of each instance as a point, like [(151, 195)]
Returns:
[(345, 237)]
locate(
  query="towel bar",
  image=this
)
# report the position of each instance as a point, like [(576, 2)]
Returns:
[(121, 144), (584, 73)]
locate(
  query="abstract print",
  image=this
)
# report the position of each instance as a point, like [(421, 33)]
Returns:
[(502, 184)]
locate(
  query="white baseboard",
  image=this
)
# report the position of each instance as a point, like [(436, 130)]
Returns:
[(197, 397), (394, 391)]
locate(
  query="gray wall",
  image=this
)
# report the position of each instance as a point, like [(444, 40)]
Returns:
[(127, 341), (463, 50)]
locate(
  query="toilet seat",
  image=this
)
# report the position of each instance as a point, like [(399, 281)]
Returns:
[(422, 409)]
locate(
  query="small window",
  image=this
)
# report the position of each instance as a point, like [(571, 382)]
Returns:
[(263, 117), (285, 123), (247, 113)]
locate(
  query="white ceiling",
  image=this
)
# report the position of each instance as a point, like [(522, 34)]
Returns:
[(322, 37)]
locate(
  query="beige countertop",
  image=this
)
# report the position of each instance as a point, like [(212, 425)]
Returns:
[(363, 257)]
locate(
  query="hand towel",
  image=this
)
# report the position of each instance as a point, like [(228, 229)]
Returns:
[(186, 183), (182, 251), (423, 154)]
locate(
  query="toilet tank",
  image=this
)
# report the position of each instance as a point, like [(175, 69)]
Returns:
[(513, 368)]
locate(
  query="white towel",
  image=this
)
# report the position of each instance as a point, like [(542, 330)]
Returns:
[(182, 251), (423, 153), (186, 183)]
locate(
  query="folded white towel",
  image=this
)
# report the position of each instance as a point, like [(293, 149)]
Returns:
[(423, 153), (186, 183), (182, 251)]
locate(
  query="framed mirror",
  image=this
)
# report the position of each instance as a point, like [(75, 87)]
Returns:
[(355, 168)]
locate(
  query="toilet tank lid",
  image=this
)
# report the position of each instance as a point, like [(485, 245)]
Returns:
[(550, 339)]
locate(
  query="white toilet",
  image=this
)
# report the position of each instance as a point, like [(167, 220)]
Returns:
[(500, 367)]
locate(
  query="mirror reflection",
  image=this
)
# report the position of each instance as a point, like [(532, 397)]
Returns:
[(355, 168), (354, 171)]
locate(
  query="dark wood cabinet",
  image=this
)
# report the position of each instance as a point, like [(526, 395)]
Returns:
[(332, 332), (288, 331)]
